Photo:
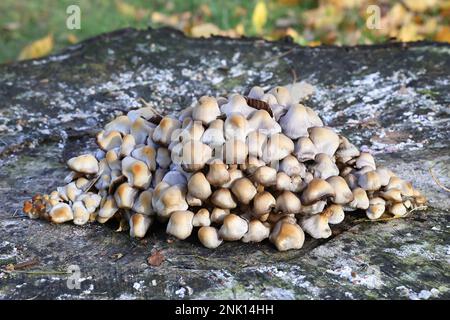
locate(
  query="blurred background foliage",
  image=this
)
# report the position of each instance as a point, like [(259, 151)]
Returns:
[(32, 28)]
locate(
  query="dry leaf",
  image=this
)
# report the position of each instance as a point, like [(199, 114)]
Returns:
[(72, 38), (409, 32), (38, 48), (443, 34), (156, 258), (205, 30), (126, 9), (420, 5), (259, 17), (289, 2)]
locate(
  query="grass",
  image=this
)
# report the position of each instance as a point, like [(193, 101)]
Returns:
[(24, 21)]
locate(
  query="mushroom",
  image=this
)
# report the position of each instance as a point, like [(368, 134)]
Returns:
[(282, 95), (244, 190), (235, 174), (222, 198), (86, 164), (369, 181), (109, 140), (305, 149), (121, 124), (277, 147), (325, 140), (137, 172), (291, 166), (346, 150), (61, 213), (337, 214), (218, 214), (169, 200), (235, 151), (143, 203), (317, 189), (314, 208), (263, 203), (113, 159), (125, 195), (288, 202), (296, 121), (217, 174), (174, 177), (194, 130), (128, 145), (209, 237), (360, 199), (266, 176), (233, 228), (213, 136), (255, 142), (236, 127), (251, 165), (90, 200), (139, 224), (108, 208), (385, 175), (195, 155), (256, 92), (257, 232), (324, 167), (261, 121), (163, 132), (201, 218), (286, 236), (199, 187), (397, 209), (80, 213), (342, 192), (317, 225), (206, 111), (180, 224), (365, 159), (393, 195), (236, 104), (397, 183), (376, 208), (141, 129)]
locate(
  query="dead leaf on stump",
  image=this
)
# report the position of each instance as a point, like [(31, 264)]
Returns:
[(156, 258)]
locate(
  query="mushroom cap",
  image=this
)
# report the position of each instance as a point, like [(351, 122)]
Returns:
[(263, 203), (236, 127), (236, 104), (61, 213), (376, 208), (85, 163), (218, 174), (171, 199), (317, 225), (121, 124), (90, 200), (108, 140), (346, 150), (365, 159), (325, 140), (143, 203), (317, 189), (282, 95), (108, 208), (266, 176), (397, 183), (218, 214), (256, 92), (284, 182), (244, 190), (257, 232), (324, 167), (213, 136), (277, 147), (137, 172), (397, 209), (261, 121), (163, 131), (201, 218), (195, 155), (288, 202), (343, 194), (314, 208), (235, 174), (163, 157), (199, 187), (393, 195), (209, 237), (360, 199), (233, 228), (336, 214), (222, 198), (304, 149), (291, 166), (206, 111), (80, 213), (385, 175), (286, 236), (255, 142), (139, 224), (125, 195), (235, 151), (180, 224), (141, 129), (369, 181), (296, 121), (128, 145)]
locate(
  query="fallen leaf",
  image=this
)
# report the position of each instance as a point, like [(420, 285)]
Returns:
[(38, 48), (443, 34), (156, 258), (409, 32), (420, 5), (205, 30), (72, 38), (259, 16), (126, 9)]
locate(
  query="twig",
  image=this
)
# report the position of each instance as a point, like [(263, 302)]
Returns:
[(147, 104), (26, 264), (436, 180), (278, 56), (50, 272), (294, 76)]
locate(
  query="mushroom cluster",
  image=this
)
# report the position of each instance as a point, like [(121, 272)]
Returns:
[(237, 168)]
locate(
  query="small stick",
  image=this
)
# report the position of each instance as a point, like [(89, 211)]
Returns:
[(26, 264), (35, 272), (436, 180)]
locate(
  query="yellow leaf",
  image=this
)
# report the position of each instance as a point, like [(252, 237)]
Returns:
[(205, 30), (37, 49), (293, 34), (126, 9), (240, 30), (420, 5), (72, 38), (443, 34), (259, 17), (314, 43), (409, 32)]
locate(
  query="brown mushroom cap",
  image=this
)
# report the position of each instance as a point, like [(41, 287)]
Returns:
[(324, 167), (343, 194), (86, 163), (305, 149), (266, 176), (257, 231), (369, 181), (397, 209), (288, 202), (286, 236), (244, 190), (317, 225), (235, 151), (61, 213), (199, 187), (180, 224), (365, 159), (360, 199), (137, 172), (218, 173), (222, 198), (109, 140), (317, 189), (218, 214), (206, 111), (125, 195), (263, 203), (233, 228), (163, 132), (139, 225), (277, 147), (209, 237), (376, 208), (325, 140), (201, 218)]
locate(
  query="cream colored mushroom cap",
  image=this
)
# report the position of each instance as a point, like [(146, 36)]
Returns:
[(180, 224), (209, 237), (286, 236), (233, 228), (61, 213), (86, 163)]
